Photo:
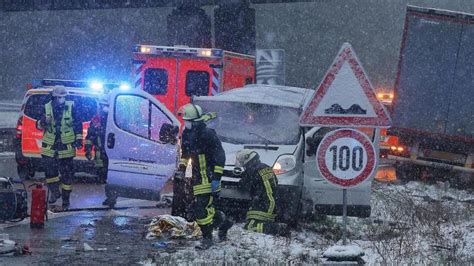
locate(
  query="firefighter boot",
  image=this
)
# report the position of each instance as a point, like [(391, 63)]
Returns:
[(54, 193), (206, 241), (225, 225), (65, 196)]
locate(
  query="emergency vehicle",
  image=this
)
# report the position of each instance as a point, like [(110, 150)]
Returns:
[(175, 74), (28, 138)]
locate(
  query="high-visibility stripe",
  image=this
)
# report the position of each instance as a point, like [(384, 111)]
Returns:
[(89, 142), (202, 189), (268, 189), (78, 136), (210, 214), (260, 227), (218, 169), (259, 215), (66, 187), (52, 179), (203, 169)]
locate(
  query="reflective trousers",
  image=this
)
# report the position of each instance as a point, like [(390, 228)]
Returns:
[(59, 173), (208, 218), (266, 227)]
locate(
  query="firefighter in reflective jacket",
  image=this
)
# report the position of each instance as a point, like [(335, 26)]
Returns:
[(62, 135), (95, 138), (260, 181), (202, 146)]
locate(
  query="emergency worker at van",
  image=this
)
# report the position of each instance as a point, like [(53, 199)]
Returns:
[(259, 180), (62, 136), (96, 139), (202, 146)]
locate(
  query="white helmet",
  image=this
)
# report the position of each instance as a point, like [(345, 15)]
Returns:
[(244, 156), (59, 91), (191, 112)]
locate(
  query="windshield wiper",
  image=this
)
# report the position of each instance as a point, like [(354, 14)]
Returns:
[(267, 141)]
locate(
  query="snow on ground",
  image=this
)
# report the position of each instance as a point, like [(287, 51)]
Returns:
[(410, 224)]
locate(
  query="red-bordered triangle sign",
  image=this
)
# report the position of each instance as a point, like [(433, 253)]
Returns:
[(345, 97)]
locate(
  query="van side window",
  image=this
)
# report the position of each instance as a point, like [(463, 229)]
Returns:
[(156, 81), (197, 83), (158, 118), (132, 114), (34, 106)]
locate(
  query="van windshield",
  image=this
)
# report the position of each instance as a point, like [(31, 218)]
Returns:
[(34, 107), (250, 123)]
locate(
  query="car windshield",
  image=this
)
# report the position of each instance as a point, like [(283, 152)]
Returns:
[(256, 123), (35, 105)]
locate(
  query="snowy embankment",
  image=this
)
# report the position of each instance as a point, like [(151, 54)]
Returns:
[(410, 224)]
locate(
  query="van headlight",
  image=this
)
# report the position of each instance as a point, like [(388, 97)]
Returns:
[(284, 164)]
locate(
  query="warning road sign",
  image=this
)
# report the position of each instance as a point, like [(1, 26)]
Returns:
[(346, 157), (345, 97)]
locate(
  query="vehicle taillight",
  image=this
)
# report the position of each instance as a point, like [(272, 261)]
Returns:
[(399, 150), (19, 127)]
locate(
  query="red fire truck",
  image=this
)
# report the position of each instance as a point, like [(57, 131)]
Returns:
[(175, 74)]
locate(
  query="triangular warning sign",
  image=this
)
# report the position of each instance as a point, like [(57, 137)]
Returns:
[(345, 97)]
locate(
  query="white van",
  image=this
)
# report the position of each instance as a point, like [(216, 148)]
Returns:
[(263, 118)]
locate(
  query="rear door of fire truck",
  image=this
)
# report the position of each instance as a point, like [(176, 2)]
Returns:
[(195, 77), (140, 163)]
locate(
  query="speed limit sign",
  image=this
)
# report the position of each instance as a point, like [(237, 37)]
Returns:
[(346, 157)]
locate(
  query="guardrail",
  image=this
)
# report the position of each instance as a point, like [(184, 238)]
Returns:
[(7, 128)]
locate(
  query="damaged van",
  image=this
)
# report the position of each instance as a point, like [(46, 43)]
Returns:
[(143, 153)]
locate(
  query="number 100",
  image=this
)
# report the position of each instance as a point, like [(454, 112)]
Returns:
[(343, 158)]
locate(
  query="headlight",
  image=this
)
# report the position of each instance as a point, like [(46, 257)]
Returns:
[(284, 164)]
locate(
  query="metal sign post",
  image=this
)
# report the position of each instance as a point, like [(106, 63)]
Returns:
[(344, 216)]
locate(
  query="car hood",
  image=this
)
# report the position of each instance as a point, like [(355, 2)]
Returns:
[(268, 154)]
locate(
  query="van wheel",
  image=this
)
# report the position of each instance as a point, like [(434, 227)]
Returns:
[(25, 172)]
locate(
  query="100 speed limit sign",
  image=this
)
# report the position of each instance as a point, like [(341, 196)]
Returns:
[(346, 157)]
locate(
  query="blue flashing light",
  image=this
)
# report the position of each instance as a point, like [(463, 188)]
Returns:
[(125, 87), (97, 86)]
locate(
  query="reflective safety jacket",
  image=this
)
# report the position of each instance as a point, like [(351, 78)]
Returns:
[(202, 146), (260, 181), (60, 135)]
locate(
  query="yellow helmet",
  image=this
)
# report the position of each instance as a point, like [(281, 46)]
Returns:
[(191, 112), (244, 156)]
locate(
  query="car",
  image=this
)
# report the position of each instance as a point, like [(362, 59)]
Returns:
[(28, 139)]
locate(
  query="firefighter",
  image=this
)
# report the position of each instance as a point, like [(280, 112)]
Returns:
[(260, 181), (202, 146), (95, 138), (62, 136)]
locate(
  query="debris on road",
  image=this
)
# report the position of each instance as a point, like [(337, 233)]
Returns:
[(172, 227)]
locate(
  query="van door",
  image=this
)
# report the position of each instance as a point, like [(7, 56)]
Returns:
[(324, 197), (139, 162)]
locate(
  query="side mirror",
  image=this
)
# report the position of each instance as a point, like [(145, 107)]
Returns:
[(169, 133)]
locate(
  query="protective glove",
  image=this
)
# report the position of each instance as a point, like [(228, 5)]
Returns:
[(179, 175), (215, 188), (78, 144), (88, 155)]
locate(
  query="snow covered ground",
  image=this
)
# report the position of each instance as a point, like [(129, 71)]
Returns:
[(410, 224)]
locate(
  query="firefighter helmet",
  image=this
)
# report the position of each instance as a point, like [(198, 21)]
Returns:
[(244, 156), (191, 112), (59, 91)]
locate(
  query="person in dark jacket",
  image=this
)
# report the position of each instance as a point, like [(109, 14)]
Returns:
[(62, 136), (259, 180), (96, 139), (203, 148)]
